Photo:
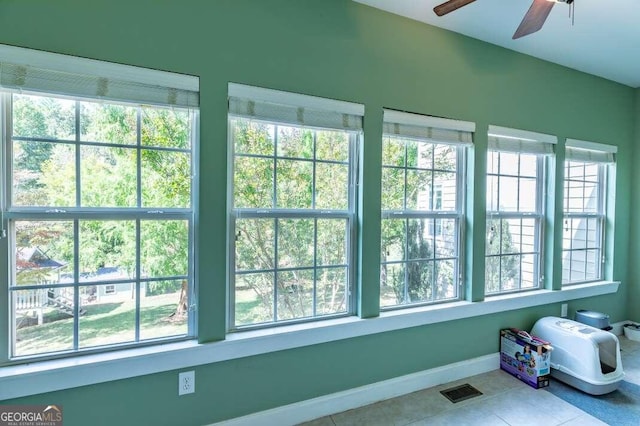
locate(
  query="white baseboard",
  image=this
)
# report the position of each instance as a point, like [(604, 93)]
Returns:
[(310, 409)]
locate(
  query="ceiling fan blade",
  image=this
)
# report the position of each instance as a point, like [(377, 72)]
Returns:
[(450, 6), (535, 17)]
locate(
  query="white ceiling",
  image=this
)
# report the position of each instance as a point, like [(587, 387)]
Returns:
[(604, 39)]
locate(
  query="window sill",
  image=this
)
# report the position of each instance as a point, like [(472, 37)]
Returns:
[(49, 376)]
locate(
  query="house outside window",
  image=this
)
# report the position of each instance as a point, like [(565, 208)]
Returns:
[(515, 206), (587, 165), (98, 202), (422, 208), (292, 222)]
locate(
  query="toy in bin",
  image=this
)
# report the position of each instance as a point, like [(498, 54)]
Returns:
[(525, 356)]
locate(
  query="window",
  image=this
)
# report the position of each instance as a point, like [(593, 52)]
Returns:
[(99, 201), (422, 204), (585, 172), (515, 195), (293, 206)]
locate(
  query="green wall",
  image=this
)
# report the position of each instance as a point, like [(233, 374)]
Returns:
[(343, 50), (633, 302)]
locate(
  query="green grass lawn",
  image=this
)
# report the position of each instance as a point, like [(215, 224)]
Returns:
[(103, 324)]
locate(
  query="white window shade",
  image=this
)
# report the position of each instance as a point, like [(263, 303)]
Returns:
[(292, 108), (589, 152), (520, 141), (25, 70), (424, 127)]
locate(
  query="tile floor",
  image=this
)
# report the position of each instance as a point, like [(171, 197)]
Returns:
[(505, 401)]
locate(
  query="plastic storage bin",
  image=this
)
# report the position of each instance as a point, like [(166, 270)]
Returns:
[(584, 357), (594, 319)]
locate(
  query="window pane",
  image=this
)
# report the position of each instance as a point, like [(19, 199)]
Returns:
[(108, 123), (509, 163), (574, 170), (508, 194), (295, 142), (567, 232), (294, 184), (528, 165), (254, 298), (332, 186), (44, 174), (43, 117), (510, 272), (252, 137), (419, 187), (492, 274), (253, 183), (331, 288), (444, 192), (527, 194), (295, 294), (44, 252), (164, 248), (420, 279), (332, 146), (494, 236), (295, 243), (492, 193), (42, 320), (446, 237), (590, 203), (529, 236), (255, 244), (393, 240), (420, 239), (107, 250), (578, 266), (445, 157), (111, 318), (593, 239), (392, 287), (166, 179), (332, 242), (163, 309), (511, 236), (593, 265), (493, 162), (579, 233), (445, 287), (393, 152), (529, 266), (108, 177), (392, 189), (164, 127)]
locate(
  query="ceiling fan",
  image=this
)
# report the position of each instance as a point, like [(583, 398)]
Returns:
[(533, 20)]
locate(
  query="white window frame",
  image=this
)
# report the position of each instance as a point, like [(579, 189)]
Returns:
[(276, 108), (39, 73), (519, 142), (434, 131), (601, 156)]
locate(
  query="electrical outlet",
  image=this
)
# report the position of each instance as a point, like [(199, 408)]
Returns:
[(563, 310), (186, 382)]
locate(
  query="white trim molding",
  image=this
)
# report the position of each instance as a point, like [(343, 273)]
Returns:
[(48, 376), (364, 395)]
